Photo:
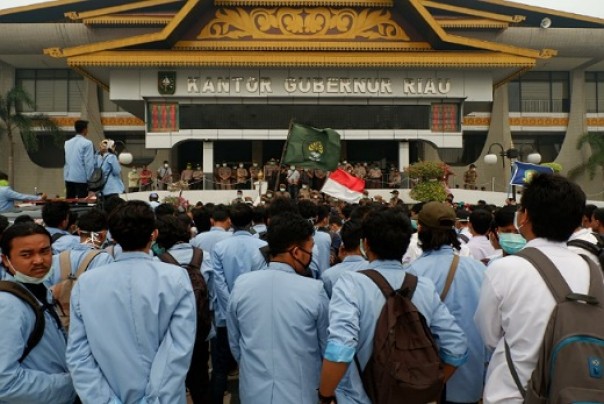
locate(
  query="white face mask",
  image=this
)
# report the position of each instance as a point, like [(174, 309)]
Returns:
[(362, 248), (516, 225), (20, 277), (165, 165)]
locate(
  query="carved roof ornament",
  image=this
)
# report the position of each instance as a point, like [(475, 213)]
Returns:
[(303, 24)]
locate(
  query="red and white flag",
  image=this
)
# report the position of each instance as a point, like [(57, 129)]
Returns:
[(344, 186)]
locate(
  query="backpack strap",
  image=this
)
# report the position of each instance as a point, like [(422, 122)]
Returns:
[(409, 285), (585, 245), (168, 258), (39, 325), (65, 264), (55, 237), (463, 238), (548, 271), (450, 277), (197, 258), (86, 262), (596, 284), (380, 281), (513, 371)]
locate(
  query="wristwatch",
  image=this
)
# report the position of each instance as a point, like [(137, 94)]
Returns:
[(326, 399)]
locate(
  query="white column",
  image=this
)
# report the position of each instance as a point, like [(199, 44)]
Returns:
[(208, 162), (403, 155)]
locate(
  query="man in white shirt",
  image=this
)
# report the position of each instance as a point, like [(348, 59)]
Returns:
[(514, 300), (479, 245)]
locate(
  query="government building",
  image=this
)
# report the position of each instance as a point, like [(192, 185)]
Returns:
[(213, 82)]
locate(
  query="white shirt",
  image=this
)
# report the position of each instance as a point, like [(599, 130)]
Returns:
[(515, 302), (414, 251), (480, 247), (586, 235)]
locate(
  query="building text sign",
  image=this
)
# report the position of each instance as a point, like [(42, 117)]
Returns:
[(316, 85), (311, 83)]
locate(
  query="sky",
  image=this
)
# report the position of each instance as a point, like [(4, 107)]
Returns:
[(593, 8)]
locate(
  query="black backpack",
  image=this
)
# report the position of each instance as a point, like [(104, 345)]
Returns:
[(200, 289), (38, 332), (595, 249), (405, 365), (97, 180)]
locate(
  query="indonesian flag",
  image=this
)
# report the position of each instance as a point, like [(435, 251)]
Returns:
[(344, 186)]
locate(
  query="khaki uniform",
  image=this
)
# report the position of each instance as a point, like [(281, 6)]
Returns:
[(375, 176), (242, 176), (224, 177)]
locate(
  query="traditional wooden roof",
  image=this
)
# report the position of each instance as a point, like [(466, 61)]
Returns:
[(304, 33)]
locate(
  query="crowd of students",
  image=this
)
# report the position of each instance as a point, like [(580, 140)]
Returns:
[(289, 300)]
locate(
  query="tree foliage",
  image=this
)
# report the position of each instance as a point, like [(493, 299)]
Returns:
[(595, 161), (13, 122), (428, 177)]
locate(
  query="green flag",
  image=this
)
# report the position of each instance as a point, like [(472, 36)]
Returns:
[(309, 147)]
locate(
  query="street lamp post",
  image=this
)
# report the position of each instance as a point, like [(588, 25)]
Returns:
[(512, 154)]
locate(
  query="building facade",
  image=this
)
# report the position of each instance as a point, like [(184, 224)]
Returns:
[(218, 82)]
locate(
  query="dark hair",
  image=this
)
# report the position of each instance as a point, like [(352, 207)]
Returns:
[(307, 209), (347, 210), (334, 218), (416, 208), (165, 209), (54, 213), (113, 203), (351, 233), (554, 206), (171, 231), (132, 225), (588, 211), (504, 216), (93, 220), (3, 224), (201, 217), (388, 233), (598, 215), (360, 212), (241, 215), (433, 239), (20, 230), (287, 230), (481, 219), (259, 215), (80, 125), (281, 205), (23, 219), (322, 212), (220, 213), (3, 176)]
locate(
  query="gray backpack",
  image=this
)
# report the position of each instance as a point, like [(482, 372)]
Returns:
[(570, 366)]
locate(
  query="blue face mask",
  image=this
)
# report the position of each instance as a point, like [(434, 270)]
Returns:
[(511, 243), (414, 224)]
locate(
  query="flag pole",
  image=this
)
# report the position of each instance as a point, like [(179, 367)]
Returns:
[(289, 131)]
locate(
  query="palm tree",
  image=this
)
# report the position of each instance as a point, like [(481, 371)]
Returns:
[(595, 160), (13, 121)]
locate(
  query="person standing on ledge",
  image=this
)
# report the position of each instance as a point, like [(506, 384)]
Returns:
[(79, 162), (8, 196)]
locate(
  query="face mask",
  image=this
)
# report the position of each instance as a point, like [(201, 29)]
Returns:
[(240, 165), (224, 165), (239, 196), (516, 225), (293, 167), (305, 267), (414, 224), (20, 277), (511, 243), (165, 165), (157, 250), (362, 248), (134, 170), (282, 189)]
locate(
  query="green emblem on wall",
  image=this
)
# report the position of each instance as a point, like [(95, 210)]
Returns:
[(166, 83)]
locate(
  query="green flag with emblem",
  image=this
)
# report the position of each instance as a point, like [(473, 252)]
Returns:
[(309, 147)]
